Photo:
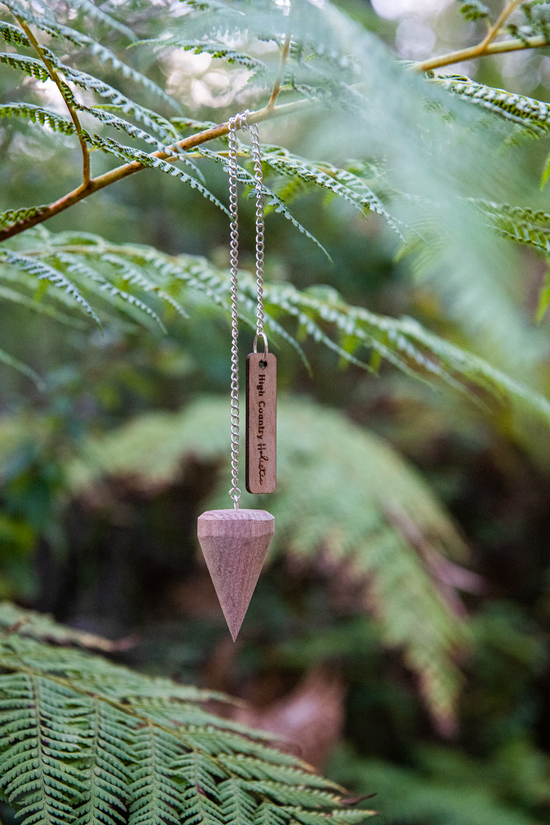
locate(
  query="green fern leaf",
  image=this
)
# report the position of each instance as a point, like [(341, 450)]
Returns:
[(131, 155), (40, 779), (269, 814), (238, 805), (340, 182), (106, 117), (218, 50), (474, 9), (11, 216), (316, 818), (150, 119), (520, 224), (247, 768), (291, 794), (14, 35), (532, 115), (184, 124), (71, 264), (44, 272), (36, 114), (105, 55), (30, 65), (156, 797), (75, 747), (272, 200), (97, 13), (321, 313)]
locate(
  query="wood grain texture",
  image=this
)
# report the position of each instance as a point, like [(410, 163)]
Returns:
[(261, 423), (234, 544)]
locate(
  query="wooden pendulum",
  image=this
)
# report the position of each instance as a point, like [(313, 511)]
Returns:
[(235, 542)]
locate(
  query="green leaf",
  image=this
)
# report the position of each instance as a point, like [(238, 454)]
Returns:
[(474, 10), (132, 155), (80, 743), (45, 272), (340, 182), (531, 114), (272, 199)]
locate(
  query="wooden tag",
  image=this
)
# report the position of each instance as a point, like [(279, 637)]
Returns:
[(234, 544), (261, 422)]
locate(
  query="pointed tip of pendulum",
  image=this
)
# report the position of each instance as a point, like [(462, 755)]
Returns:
[(234, 544)]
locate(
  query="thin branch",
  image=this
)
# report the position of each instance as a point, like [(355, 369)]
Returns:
[(127, 169), (501, 19), (476, 51), (55, 77), (280, 75)]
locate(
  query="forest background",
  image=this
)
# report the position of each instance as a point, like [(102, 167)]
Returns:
[(398, 637)]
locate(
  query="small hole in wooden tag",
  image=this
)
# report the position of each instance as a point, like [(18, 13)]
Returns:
[(262, 365)]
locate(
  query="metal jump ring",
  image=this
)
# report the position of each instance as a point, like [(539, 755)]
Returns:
[(255, 347)]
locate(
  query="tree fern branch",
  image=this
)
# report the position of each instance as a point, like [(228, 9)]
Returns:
[(473, 52), (127, 169), (501, 19), (280, 75), (55, 77)]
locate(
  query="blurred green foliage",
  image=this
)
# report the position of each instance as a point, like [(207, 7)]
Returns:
[(118, 556)]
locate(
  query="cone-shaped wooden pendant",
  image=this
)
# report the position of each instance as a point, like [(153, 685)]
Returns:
[(234, 544)]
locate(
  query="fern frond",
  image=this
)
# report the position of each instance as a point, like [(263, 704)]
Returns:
[(518, 223), (71, 264), (45, 272), (349, 331), (30, 65), (62, 125), (340, 182), (131, 155), (238, 805), (13, 35), (97, 13), (152, 120), (532, 115), (135, 276), (37, 114), (272, 200), (10, 216), (40, 777), (105, 55), (218, 50), (246, 768), (108, 750), (155, 796), (268, 814), (72, 751), (184, 124)]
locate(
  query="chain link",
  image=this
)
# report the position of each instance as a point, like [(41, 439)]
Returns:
[(235, 123), (258, 182)]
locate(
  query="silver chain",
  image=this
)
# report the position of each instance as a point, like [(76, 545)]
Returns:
[(258, 183), (235, 123)]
